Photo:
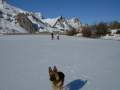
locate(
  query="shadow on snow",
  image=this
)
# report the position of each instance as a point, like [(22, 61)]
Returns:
[(75, 85)]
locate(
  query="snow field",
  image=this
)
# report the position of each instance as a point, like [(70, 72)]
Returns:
[(24, 62)]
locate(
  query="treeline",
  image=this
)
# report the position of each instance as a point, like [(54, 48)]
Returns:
[(114, 25), (97, 30), (100, 29)]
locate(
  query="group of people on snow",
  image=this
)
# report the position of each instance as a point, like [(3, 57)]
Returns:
[(53, 36)]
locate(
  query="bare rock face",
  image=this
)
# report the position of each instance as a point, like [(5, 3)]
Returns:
[(24, 22)]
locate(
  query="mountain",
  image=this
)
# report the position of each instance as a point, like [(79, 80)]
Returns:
[(58, 23), (15, 20), (62, 23)]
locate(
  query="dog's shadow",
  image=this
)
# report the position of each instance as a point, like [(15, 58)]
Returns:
[(75, 85)]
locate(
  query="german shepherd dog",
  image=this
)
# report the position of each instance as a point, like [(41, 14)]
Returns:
[(57, 78)]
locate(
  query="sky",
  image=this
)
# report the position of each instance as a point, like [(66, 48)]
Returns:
[(89, 11)]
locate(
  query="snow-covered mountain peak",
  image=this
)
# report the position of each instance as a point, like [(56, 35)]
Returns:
[(38, 15), (75, 20), (61, 18)]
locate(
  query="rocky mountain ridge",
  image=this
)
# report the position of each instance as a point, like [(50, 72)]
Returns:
[(15, 20)]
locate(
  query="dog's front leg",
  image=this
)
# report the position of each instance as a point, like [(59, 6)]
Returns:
[(54, 87), (61, 88)]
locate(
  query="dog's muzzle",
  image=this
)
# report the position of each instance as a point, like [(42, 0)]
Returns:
[(52, 78)]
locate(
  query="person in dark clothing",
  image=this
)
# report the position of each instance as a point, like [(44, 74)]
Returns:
[(58, 37), (52, 35)]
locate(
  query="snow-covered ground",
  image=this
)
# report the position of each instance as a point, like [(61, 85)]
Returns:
[(114, 37), (89, 64)]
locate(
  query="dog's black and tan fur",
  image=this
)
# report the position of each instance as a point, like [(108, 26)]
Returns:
[(57, 78)]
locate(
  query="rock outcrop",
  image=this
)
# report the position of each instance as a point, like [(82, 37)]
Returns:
[(24, 22)]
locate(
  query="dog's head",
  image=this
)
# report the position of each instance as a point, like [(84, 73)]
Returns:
[(53, 74)]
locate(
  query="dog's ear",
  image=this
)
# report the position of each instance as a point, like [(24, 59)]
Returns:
[(55, 69), (49, 69)]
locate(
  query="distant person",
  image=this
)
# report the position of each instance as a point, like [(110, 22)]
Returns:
[(52, 35), (58, 37)]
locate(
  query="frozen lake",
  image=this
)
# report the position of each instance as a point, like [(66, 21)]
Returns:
[(24, 62)]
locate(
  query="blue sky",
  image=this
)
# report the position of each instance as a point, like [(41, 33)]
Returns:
[(89, 11)]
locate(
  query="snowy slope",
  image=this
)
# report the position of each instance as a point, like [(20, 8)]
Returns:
[(10, 27), (75, 23), (50, 21), (114, 37), (24, 62)]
